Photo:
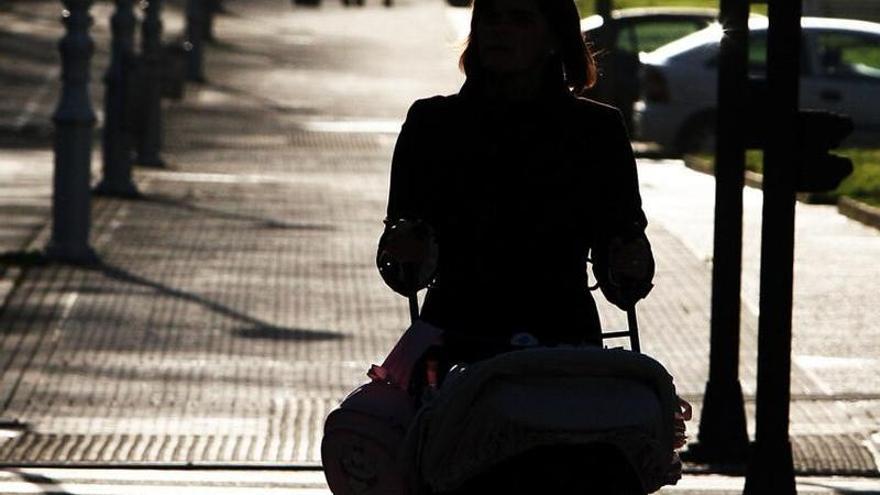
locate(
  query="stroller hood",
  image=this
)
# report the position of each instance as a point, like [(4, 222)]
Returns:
[(518, 401)]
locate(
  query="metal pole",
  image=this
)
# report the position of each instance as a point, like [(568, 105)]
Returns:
[(413, 307), (74, 121), (723, 436), (771, 468), (196, 12), (212, 7), (116, 137), (633, 327), (150, 142)]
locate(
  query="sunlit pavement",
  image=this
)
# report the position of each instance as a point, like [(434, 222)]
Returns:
[(213, 482), (239, 303)]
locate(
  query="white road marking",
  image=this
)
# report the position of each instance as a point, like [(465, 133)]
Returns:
[(354, 126), (354, 184)]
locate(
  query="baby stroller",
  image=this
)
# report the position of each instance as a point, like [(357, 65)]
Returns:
[(541, 415), (531, 419)]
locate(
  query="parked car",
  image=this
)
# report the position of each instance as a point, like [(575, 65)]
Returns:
[(617, 41), (840, 73)]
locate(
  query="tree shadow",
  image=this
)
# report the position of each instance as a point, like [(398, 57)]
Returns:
[(46, 485), (287, 334), (41, 49), (34, 136), (263, 101), (254, 327), (260, 221), (836, 489)]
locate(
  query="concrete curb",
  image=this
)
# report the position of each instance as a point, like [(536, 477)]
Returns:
[(848, 207), (753, 179), (860, 212)]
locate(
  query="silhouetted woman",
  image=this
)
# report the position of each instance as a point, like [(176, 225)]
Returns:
[(519, 179)]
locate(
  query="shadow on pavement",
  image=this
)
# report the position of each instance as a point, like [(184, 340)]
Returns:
[(837, 489), (39, 49), (287, 334), (45, 484), (35, 136), (256, 328), (268, 223), (263, 101)]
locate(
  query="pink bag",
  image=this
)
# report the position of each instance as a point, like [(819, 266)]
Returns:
[(362, 438)]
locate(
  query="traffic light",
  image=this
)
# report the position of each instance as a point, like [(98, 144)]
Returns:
[(819, 132)]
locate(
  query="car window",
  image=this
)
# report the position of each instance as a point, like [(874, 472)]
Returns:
[(626, 40), (654, 34), (758, 52), (758, 55), (848, 55)]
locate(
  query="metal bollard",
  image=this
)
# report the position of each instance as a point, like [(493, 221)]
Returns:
[(196, 13), (116, 136), (174, 64), (74, 121), (212, 7), (150, 135)]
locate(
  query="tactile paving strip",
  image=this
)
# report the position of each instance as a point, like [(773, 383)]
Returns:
[(282, 435), (828, 437)]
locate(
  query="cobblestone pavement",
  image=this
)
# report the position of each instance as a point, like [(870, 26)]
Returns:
[(238, 303)]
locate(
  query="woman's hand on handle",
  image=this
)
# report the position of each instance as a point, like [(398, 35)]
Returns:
[(407, 255), (625, 270)]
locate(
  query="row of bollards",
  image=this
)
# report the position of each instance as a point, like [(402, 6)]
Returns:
[(117, 132), (74, 120), (150, 80), (132, 131)]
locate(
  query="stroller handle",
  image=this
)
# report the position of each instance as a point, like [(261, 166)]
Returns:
[(632, 323)]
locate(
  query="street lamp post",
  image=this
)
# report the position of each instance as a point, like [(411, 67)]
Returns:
[(116, 135), (771, 468), (150, 139), (723, 437), (196, 13), (74, 122), (212, 7)]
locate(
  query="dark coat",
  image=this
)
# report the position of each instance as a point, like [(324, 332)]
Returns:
[(517, 196)]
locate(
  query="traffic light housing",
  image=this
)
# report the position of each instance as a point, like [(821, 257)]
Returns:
[(818, 170)]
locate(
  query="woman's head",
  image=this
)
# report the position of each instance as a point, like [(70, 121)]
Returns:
[(514, 36)]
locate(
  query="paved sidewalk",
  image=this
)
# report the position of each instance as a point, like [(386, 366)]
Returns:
[(238, 303), (305, 482)]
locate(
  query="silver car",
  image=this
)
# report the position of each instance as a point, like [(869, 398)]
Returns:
[(840, 73)]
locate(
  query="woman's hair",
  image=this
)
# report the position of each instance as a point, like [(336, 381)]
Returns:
[(574, 62)]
